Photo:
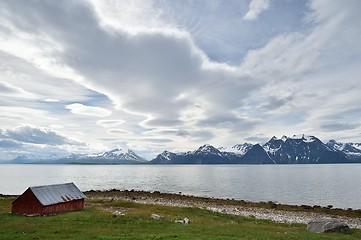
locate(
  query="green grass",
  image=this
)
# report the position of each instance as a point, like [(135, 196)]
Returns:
[(95, 223)]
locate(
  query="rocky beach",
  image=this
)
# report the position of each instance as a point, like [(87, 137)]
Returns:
[(260, 210)]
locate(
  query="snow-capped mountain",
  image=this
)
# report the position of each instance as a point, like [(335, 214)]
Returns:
[(207, 149), (256, 155), (206, 154), (302, 149), (239, 149), (115, 156), (298, 149), (165, 157), (352, 150), (31, 158)]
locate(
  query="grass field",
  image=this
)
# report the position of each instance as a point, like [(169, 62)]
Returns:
[(96, 222)]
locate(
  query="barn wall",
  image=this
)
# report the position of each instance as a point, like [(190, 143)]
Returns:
[(63, 207), (27, 204)]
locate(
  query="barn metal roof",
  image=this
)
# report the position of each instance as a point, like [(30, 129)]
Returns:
[(53, 194)]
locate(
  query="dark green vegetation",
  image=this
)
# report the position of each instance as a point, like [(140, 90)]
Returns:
[(97, 222)]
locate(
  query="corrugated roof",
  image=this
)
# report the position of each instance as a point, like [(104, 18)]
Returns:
[(52, 194)]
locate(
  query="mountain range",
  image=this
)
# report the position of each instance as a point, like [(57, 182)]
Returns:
[(298, 149), (115, 156)]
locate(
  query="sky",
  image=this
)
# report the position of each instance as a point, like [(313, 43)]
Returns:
[(90, 76)]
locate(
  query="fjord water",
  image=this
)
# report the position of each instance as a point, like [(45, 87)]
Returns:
[(337, 185)]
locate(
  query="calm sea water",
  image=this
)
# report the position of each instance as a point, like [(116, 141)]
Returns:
[(337, 185)]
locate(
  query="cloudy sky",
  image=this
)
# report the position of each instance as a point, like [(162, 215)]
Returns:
[(88, 76)]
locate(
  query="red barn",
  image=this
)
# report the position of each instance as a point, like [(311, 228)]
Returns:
[(50, 199)]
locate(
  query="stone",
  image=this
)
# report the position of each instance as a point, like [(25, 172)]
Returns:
[(117, 214), (327, 225), (156, 216), (184, 221)]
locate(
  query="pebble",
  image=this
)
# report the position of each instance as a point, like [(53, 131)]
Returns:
[(156, 216), (117, 214), (184, 221)]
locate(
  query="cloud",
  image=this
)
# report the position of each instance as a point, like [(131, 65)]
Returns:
[(339, 126), (118, 131), (51, 100), (35, 135), (255, 8), (155, 140), (78, 108), (143, 73), (275, 102), (182, 133), (180, 73), (10, 144), (260, 138), (7, 89), (109, 123)]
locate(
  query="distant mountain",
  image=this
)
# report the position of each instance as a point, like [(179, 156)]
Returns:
[(352, 150), (239, 149), (302, 150), (166, 157), (30, 159), (256, 155), (298, 149), (20, 160), (206, 154), (116, 156)]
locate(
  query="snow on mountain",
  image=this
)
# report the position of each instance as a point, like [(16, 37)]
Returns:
[(207, 149), (256, 155), (298, 149), (336, 145), (115, 154), (166, 155), (302, 149), (352, 150), (302, 137), (239, 149), (205, 154)]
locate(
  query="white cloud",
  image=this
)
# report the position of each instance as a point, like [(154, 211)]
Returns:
[(161, 77), (10, 144), (56, 126), (312, 74), (35, 135), (78, 108), (51, 100), (23, 113), (339, 126), (135, 16), (8, 90), (118, 131), (110, 123), (255, 8)]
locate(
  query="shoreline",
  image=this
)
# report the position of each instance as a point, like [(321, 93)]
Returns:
[(282, 213)]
